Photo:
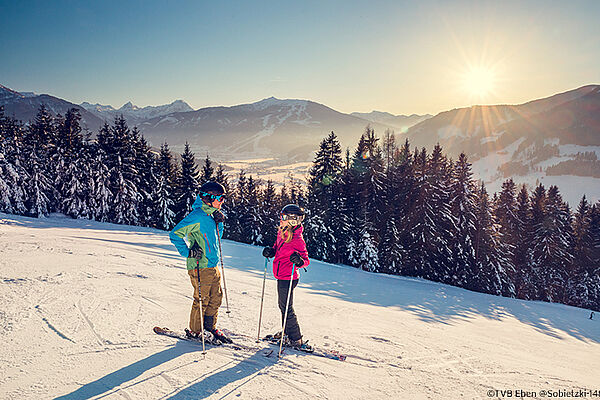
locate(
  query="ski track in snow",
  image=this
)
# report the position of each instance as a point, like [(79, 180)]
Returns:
[(88, 294)]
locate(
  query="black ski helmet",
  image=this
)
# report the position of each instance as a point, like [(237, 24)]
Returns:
[(212, 188), (292, 209)]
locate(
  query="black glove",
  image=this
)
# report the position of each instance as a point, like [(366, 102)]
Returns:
[(268, 252), (218, 216), (296, 259), (195, 252)]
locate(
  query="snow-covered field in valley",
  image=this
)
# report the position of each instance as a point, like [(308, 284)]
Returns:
[(78, 301)]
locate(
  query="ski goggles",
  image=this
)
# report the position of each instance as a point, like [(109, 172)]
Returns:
[(219, 198), (292, 218)]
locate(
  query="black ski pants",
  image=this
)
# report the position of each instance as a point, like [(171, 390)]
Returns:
[(292, 329)]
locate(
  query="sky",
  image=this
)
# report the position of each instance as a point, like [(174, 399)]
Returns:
[(402, 57)]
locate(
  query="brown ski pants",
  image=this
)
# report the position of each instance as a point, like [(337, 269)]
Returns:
[(210, 290)]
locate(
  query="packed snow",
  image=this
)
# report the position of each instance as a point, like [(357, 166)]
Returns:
[(79, 300)]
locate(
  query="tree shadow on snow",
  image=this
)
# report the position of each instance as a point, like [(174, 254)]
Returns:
[(434, 302)]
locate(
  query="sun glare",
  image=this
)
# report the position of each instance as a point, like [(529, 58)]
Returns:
[(479, 82)]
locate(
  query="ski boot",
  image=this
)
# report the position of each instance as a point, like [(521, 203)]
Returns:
[(302, 345), (220, 336), (208, 336), (276, 337)]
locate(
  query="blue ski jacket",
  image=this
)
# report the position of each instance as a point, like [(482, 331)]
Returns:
[(198, 227)]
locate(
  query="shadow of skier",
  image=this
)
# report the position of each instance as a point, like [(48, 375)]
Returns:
[(207, 386), (115, 379)]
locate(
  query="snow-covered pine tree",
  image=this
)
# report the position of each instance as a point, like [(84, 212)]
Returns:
[(582, 255), (124, 174), (269, 214), (366, 248), (551, 247), (367, 199), (70, 158), (320, 237), (532, 282), (39, 189), (464, 206), (100, 185), (492, 261), (430, 254), (146, 163), (222, 178), (236, 204), (208, 170), (187, 184), (390, 150), (163, 195), (249, 215), (392, 248), (522, 247), (12, 175), (341, 210), (163, 205), (592, 280)]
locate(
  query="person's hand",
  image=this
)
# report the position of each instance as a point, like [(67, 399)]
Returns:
[(218, 216), (296, 259), (268, 252), (195, 252)]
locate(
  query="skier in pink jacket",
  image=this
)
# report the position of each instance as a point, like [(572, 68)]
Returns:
[(289, 254)]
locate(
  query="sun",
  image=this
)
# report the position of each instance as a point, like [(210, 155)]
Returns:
[(479, 82)]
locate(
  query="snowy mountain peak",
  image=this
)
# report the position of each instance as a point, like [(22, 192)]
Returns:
[(273, 101), (128, 107), (6, 93), (179, 106)]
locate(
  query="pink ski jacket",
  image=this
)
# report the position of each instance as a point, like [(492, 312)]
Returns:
[(282, 266)]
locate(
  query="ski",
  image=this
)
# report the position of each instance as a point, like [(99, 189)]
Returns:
[(210, 342), (331, 354)]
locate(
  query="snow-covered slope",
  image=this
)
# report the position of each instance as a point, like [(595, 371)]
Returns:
[(78, 300)]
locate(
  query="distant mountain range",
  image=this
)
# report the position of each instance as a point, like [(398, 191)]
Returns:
[(554, 140), (270, 127), (134, 114), (400, 122), (24, 106), (542, 140)]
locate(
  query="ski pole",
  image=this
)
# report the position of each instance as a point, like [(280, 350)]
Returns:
[(223, 271), (262, 297), (287, 304), (201, 312)]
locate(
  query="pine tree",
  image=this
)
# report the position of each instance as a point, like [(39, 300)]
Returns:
[(464, 207), (551, 250), (393, 246), (37, 142), (163, 205), (430, 252), (187, 184), (492, 261), (163, 194), (101, 195), (124, 174), (71, 162), (268, 215), (207, 171), (326, 169)]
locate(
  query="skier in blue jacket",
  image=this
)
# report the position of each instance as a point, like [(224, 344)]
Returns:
[(203, 228)]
